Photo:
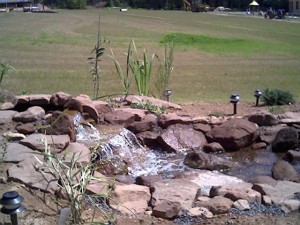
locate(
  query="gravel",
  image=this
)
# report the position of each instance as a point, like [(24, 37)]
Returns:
[(256, 208)]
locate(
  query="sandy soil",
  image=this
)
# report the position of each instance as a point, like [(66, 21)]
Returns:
[(44, 209)]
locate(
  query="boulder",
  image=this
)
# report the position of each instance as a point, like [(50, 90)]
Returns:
[(140, 126), (292, 155), (168, 119), (81, 153), (130, 199), (279, 193), (234, 134), (39, 99), (7, 97), (179, 136), (289, 118), (200, 212), (88, 106), (236, 192), (148, 138), (119, 117), (139, 114), (213, 147), (23, 99), (199, 160), (102, 107), (26, 128), (32, 114), (147, 180), (241, 204), (263, 118), (61, 123), (204, 128), (7, 116), (263, 180), (282, 170), (217, 205), (167, 210), (59, 99), (73, 105), (268, 134), (286, 139)]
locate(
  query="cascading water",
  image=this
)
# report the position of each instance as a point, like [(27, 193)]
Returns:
[(124, 147)]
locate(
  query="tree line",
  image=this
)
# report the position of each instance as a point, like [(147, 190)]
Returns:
[(164, 4)]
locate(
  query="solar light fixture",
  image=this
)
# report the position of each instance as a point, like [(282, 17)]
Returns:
[(167, 94), (257, 94), (234, 99), (11, 202)]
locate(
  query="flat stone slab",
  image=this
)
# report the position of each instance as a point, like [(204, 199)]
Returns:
[(17, 153), (289, 117), (182, 191), (37, 142)]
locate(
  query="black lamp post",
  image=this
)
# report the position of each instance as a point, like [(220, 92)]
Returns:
[(11, 202), (257, 94), (234, 99), (167, 94)]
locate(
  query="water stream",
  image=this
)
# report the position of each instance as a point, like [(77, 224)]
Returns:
[(120, 145)]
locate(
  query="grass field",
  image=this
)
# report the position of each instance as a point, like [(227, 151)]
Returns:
[(215, 55)]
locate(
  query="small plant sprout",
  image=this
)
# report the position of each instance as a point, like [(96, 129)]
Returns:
[(4, 69)]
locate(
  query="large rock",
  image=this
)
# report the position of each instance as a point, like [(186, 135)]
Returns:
[(263, 180), (81, 153), (168, 119), (286, 139), (39, 99), (59, 99), (88, 106), (282, 170), (130, 199), (236, 192), (167, 210), (7, 98), (175, 190), (32, 114), (200, 160), (119, 117), (139, 114), (61, 123), (234, 134), (217, 205), (37, 142), (213, 147), (292, 155), (282, 191), (148, 123), (268, 134), (263, 118), (290, 118), (7, 116), (178, 136), (148, 138), (26, 128)]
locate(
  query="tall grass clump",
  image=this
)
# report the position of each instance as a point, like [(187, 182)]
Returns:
[(272, 97), (165, 69)]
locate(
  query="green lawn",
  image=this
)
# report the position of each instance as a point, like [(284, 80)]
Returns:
[(215, 55)]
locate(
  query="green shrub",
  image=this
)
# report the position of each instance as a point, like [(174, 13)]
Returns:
[(275, 109), (147, 105), (277, 97)]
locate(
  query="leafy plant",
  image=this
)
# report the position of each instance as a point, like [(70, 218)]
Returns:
[(4, 69), (277, 97), (147, 105), (165, 69), (141, 69), (98, 51)]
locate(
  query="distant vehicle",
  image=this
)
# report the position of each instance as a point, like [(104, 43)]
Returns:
[(223, 9)]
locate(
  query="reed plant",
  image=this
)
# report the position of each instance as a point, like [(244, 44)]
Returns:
[(4, 69), (141, 69), (165, 69)]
